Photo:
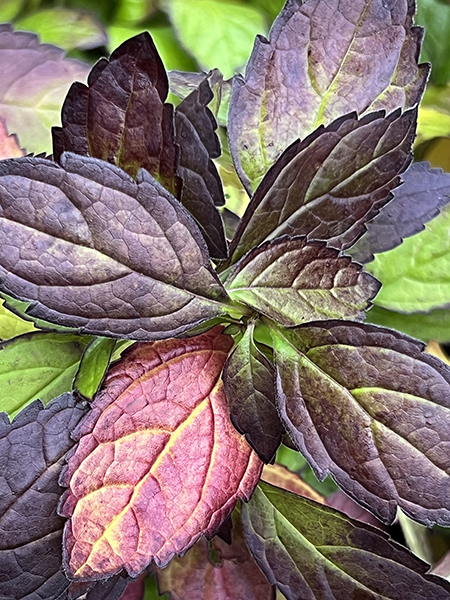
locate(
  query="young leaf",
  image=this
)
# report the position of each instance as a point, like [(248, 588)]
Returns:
[(414, 275), (435, 17), (38, 365), (95, 250), (368, 406), (35, 78), (250, 389), (329, 185), (120, 116), (93, 366), (201, 191), (323, 60), (151, 472), (311, 551), (216, 571), (32, 450), (424, 192), (292, 281)]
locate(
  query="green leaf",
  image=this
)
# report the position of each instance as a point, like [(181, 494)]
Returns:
[(65, 28), (294, 281), (11, 324), (9, 9), (125, 260), (38, 365), (311, 551), (414, 275), (329, 185), (93, 366), (35, 79), (368, 406), (217, 33), (322, 61), (434, 113), (20, 308), (434, 325), (250, 389), (434, 16)]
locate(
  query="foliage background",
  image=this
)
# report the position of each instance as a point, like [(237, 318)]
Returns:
[(198, 35)]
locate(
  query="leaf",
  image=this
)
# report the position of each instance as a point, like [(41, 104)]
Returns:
[(323, 60), (150, 474), (368, 406), (217, 33), (35, 78), (293, 281), (216, 571), (12, 325), (93, 366), (38, 365), (126, 259), (434, 325), (168, 46), (19, 309), (9, 144), (312, 551), (32, 450), (249, 387), (414, 275), (424, 192), (120, 117), (280, 476), (435, 17), (434, 113), (65, 28), (9, 9), (201, 191), (330, 184)]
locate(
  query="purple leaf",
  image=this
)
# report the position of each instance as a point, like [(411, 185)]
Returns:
[(323, 60), (32, 451), (96, 250), (418, 200), (368, 406), (293, 281), (250, 390), (34, 80), (329, 185)]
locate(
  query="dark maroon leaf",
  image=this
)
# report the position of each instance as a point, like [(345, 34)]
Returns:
[(313, 552), (294, 281), (249, 387), (368, 406), (418, 200), (201, 191), (323, 60), (120, 116), (329, 185), (96, 250), (32, 451)]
